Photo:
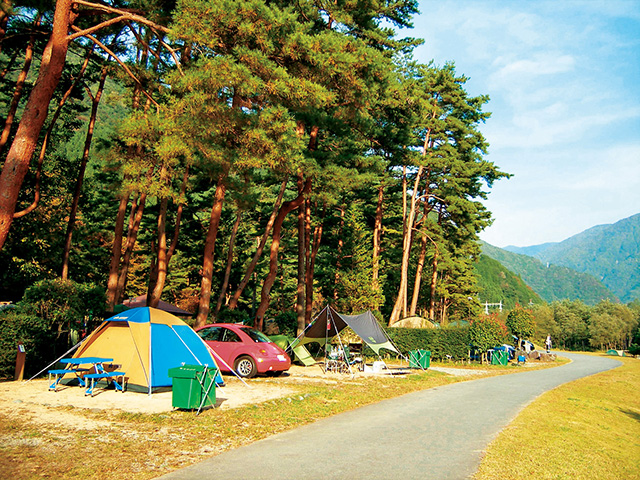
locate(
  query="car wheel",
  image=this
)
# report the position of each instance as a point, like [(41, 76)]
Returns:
[(245, 366)]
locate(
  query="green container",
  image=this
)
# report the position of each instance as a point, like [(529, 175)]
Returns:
[(419, 359), (193, 386), (500, 357)]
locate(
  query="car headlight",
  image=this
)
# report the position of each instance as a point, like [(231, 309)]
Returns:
[(282, 358)]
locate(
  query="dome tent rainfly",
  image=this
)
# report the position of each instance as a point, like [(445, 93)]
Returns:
[(146, 342)]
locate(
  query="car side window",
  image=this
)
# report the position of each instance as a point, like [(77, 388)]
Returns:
[(230, 336), (211, 334)]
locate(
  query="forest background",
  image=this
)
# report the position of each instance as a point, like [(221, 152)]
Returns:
[(242, 160)]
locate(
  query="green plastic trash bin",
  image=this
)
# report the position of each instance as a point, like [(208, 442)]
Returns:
[(500, 357), (419, 359), (193, 386)]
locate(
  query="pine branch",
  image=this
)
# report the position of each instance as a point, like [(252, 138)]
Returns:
[(121, 63), (123, 13)]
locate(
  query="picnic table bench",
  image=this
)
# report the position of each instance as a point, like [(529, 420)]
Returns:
[(109, 376), (87, 377), (58, 373)]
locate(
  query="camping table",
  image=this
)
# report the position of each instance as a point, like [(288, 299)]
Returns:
[(99, 372), (96, 365)]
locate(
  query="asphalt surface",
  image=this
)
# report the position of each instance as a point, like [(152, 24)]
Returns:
[(438, 433)]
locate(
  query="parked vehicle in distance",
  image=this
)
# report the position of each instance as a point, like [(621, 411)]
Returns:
[(245, 349)]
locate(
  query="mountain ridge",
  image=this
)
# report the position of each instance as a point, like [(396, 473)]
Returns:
[(608, 252), (551, 282)]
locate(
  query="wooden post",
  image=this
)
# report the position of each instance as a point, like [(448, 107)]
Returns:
[(20, 357)]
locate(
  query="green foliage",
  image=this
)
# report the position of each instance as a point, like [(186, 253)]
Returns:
[(266, 91), (576, 326), (48, 320), (287, 323), (63, 304), (356, 291), (441, 342), (520, 323), (32, 332), (486, 332)]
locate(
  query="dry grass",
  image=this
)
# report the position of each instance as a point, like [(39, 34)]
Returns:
[(587, 429)]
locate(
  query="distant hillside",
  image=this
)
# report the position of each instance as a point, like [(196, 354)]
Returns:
[(551, 282), (611, 253), (497, 283)]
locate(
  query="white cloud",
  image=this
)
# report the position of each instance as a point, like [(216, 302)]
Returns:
[(528, 69)]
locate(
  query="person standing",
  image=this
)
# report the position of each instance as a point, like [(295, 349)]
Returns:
[(547, 343)]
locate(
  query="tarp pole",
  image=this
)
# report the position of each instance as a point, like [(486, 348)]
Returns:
[(344, 352), (297, 339), (326, 337), (150, 352)]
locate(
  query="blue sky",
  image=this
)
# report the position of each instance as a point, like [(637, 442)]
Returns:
[(564, 82)]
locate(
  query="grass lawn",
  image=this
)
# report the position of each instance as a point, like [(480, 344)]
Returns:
[(587, 429), (115, 445)]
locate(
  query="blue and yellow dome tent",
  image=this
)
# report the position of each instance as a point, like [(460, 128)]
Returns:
[(146, 342)]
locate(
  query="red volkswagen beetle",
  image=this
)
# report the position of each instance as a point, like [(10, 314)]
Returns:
[(245, 349)]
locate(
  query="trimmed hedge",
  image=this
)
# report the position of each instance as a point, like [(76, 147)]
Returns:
[(31, 331), (440, 342)]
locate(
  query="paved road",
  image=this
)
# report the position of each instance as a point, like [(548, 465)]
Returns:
[(438, 433)]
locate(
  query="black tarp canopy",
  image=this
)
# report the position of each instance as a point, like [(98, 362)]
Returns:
[(330, 323)]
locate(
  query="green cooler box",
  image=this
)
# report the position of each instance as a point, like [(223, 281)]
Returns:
[(500, 357), (419, 359), (193, 386)]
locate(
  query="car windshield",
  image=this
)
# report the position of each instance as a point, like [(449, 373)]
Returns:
[(256, 336)]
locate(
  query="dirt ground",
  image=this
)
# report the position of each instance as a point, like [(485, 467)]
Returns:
[(32, 400)]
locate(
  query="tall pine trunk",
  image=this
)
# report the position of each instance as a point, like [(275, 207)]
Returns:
[(135, 218), (35, 113), (286, 208), (17, 92), (116, 253), (159, 267), (311, 263), (45, 141), (418, 279), (210, 242), (377, 238), (432, 286), (400, 305), (256, 257), (303, 242), (79, 181), (227, 272)]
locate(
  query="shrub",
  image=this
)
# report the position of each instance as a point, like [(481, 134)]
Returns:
[(31, 331), (520, 322), (288, 323), (47, 321), (486, 332)]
